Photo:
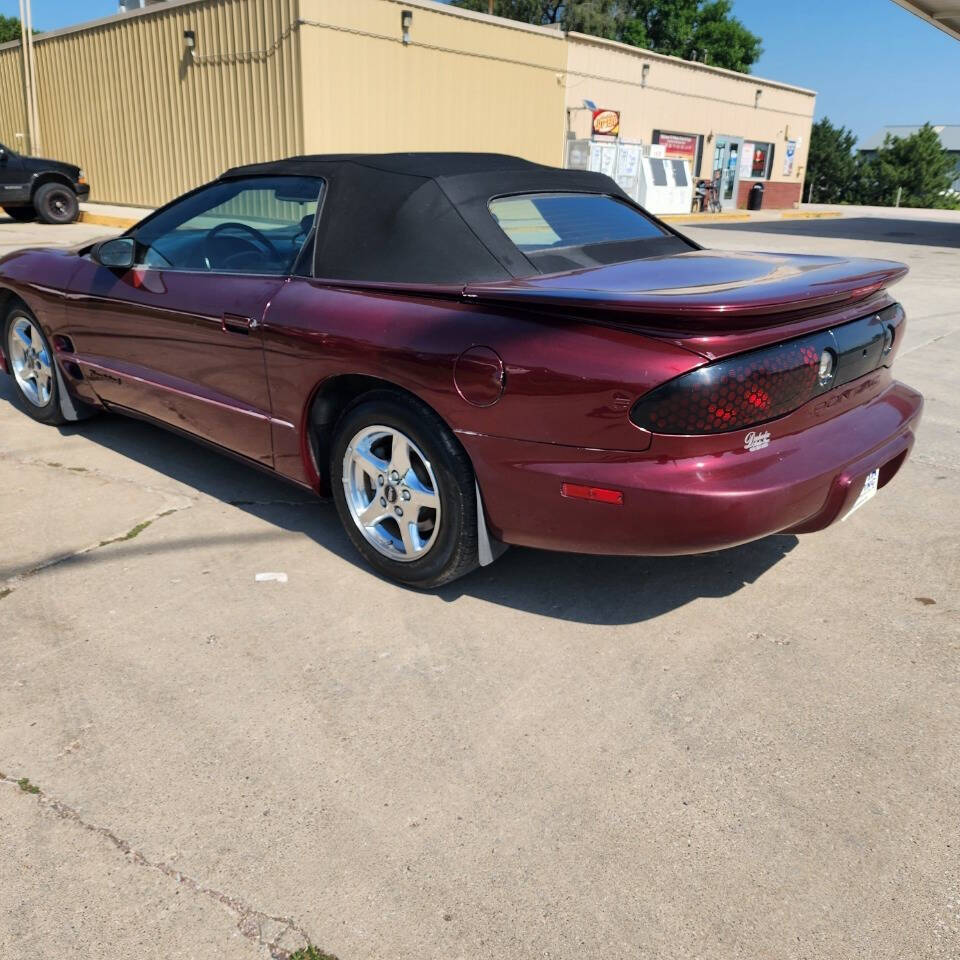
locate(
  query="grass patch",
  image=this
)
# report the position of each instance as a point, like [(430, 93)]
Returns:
[(311, 953), (26, 786), (129, 535), (5, 592), (135, 531)]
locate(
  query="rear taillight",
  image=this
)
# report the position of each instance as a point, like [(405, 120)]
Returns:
[(752, 388), (739, 392)]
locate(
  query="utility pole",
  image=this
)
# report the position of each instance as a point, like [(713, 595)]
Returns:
[(29, 76)]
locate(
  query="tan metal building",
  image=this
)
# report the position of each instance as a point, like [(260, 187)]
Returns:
[(735, 126), (148, 116)]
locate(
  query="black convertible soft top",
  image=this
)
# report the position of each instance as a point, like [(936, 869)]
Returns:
[(424, 217)]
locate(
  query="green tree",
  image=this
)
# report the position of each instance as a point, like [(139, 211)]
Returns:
[(597, 17), (832, 165), (9, 29), (917, 165), (702, 30)]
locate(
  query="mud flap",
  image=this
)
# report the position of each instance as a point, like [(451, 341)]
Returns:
[(488, 548), (70, 409)]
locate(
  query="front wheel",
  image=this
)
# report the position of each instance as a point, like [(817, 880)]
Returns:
[(404, 490), (32, 365), (56, 203)]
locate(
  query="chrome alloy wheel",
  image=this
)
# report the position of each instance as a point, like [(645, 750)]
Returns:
[(31, 361), (391, 493)]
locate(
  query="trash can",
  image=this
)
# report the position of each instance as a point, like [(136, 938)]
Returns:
[(755, 199)]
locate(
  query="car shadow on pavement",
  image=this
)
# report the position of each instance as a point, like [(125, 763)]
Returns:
[(584, 589), (616, 590)]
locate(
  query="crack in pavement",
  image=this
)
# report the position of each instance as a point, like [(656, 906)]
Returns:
[(180, 501), (98, 474), (306, 501), (282, 936), (9, 584), (928, 343)]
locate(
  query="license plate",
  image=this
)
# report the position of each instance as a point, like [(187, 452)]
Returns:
[(869, 491)]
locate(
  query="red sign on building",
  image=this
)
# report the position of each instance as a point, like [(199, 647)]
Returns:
[(683, 146), (606, 123)]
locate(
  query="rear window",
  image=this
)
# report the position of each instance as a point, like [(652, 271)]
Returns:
[(550, 221)]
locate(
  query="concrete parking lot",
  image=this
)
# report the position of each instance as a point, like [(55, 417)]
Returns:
[(747, 754)]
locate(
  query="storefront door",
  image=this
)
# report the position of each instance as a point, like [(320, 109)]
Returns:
[(726, 167)]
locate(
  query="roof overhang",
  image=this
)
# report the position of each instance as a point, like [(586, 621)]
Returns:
[(943, 14)]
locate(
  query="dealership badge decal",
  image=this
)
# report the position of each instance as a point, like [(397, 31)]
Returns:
[(754, 441)]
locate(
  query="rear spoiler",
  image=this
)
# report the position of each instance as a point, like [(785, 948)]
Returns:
[(700, 288)]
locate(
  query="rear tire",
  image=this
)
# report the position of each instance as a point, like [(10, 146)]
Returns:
[(21, 214), (32, 366), (414, 524), (56, 203)]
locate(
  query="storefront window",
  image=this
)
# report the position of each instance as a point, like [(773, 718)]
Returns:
[(761, 161), (756, 160), (681, 146)]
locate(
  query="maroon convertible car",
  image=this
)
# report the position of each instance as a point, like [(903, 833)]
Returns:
[(470, 350)]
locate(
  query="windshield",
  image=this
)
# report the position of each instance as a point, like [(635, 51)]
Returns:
[(550, 221)]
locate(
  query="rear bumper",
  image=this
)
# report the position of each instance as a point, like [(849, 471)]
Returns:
[(692, 501)]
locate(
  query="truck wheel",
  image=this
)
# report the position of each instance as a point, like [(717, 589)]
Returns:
[(56, 203), (21, 214)]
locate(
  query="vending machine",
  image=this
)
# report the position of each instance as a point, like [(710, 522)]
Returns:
[(658, 183)]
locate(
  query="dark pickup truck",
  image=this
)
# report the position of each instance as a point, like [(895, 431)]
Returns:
[(32, 187)]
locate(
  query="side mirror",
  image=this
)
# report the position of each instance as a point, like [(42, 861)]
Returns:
[(116, 254), (3, 154)]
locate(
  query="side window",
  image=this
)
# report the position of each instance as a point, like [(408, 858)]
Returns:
[(252, 226)]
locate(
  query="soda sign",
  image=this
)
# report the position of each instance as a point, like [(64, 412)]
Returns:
[(606, 123)]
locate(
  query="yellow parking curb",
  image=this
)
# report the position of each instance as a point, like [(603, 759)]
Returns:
[(809, 214), (704, 217), (742, 216), (102, 220)]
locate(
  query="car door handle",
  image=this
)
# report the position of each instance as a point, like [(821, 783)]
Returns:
[(234, 323)]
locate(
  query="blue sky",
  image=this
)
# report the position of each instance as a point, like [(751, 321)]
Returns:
[(870, 61)]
